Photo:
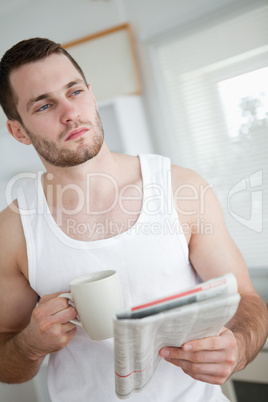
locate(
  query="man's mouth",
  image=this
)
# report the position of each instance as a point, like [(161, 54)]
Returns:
[(76, 133)]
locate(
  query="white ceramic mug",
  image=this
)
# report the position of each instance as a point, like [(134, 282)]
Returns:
[(96, 296)]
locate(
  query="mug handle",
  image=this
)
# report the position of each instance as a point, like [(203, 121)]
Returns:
[(75, 320)]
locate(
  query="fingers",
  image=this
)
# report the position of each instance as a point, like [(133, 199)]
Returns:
[(50, 328), (210, 343), (65, 315), (198, 349), (211, 359), (58, 308), (212, 374), (46, 298), (52, 303), (194, 357), (210, 371), (68, 327), (54, 311)]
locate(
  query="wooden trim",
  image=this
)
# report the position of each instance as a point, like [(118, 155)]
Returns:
[(96, 35), (125, 26), (135, 59)]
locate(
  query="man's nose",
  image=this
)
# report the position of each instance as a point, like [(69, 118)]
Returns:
[(69, 112)]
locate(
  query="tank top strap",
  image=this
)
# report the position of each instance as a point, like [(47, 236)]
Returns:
[(157, 185)]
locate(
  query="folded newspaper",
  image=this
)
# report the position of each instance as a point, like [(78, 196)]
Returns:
[(140, 332)]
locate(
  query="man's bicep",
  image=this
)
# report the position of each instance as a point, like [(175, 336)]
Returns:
[(17, 298), (213, 252), (17, 301)]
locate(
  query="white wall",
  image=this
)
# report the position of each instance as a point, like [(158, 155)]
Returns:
[(60, 20), (67, 20)]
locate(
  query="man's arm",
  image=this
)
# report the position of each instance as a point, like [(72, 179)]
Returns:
[(27, 332), (213, 253)]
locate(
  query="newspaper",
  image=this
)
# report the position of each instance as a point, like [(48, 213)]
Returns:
[(140, 332)]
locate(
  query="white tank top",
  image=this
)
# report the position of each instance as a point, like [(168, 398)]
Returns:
[(152, 261)]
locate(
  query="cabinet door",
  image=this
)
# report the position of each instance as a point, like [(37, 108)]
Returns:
[(125, 125)]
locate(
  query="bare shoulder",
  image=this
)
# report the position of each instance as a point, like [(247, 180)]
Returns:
[(194, 197), (182, 176), (9, 214), (11, 233)]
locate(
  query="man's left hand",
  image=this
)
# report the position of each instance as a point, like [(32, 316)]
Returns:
[(210, 360)]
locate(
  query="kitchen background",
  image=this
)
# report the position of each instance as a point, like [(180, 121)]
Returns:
[(201, 98)]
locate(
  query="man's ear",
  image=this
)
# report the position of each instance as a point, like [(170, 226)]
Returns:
[(17, 131)]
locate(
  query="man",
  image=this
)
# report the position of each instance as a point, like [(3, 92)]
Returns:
[(113, 198)]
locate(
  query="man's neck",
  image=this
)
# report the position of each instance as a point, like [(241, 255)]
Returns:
[(103, 163)]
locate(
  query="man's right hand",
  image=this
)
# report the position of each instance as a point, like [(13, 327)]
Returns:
[(49, 329)]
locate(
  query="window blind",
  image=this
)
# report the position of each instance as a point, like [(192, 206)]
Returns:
[(215, 85)]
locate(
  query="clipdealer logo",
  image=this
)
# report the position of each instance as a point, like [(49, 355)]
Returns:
[(244, 199), (252, 184)]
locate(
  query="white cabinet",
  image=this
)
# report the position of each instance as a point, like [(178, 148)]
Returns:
[(125, 126)]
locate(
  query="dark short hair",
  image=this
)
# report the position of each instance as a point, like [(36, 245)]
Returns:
[(26, 51)]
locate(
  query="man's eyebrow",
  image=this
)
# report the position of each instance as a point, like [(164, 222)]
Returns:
[(50, 95), (37, 99), (72, 83)]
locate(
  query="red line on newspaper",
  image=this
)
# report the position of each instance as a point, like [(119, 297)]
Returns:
[(186, 293), (141, 371)]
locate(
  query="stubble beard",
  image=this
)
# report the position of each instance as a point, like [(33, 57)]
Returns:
[(62, 157)]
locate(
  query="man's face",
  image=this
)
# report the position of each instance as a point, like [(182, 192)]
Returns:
[(58, 111)]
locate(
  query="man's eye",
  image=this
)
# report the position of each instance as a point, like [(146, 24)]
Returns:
[(77, 92), (42, 108)]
